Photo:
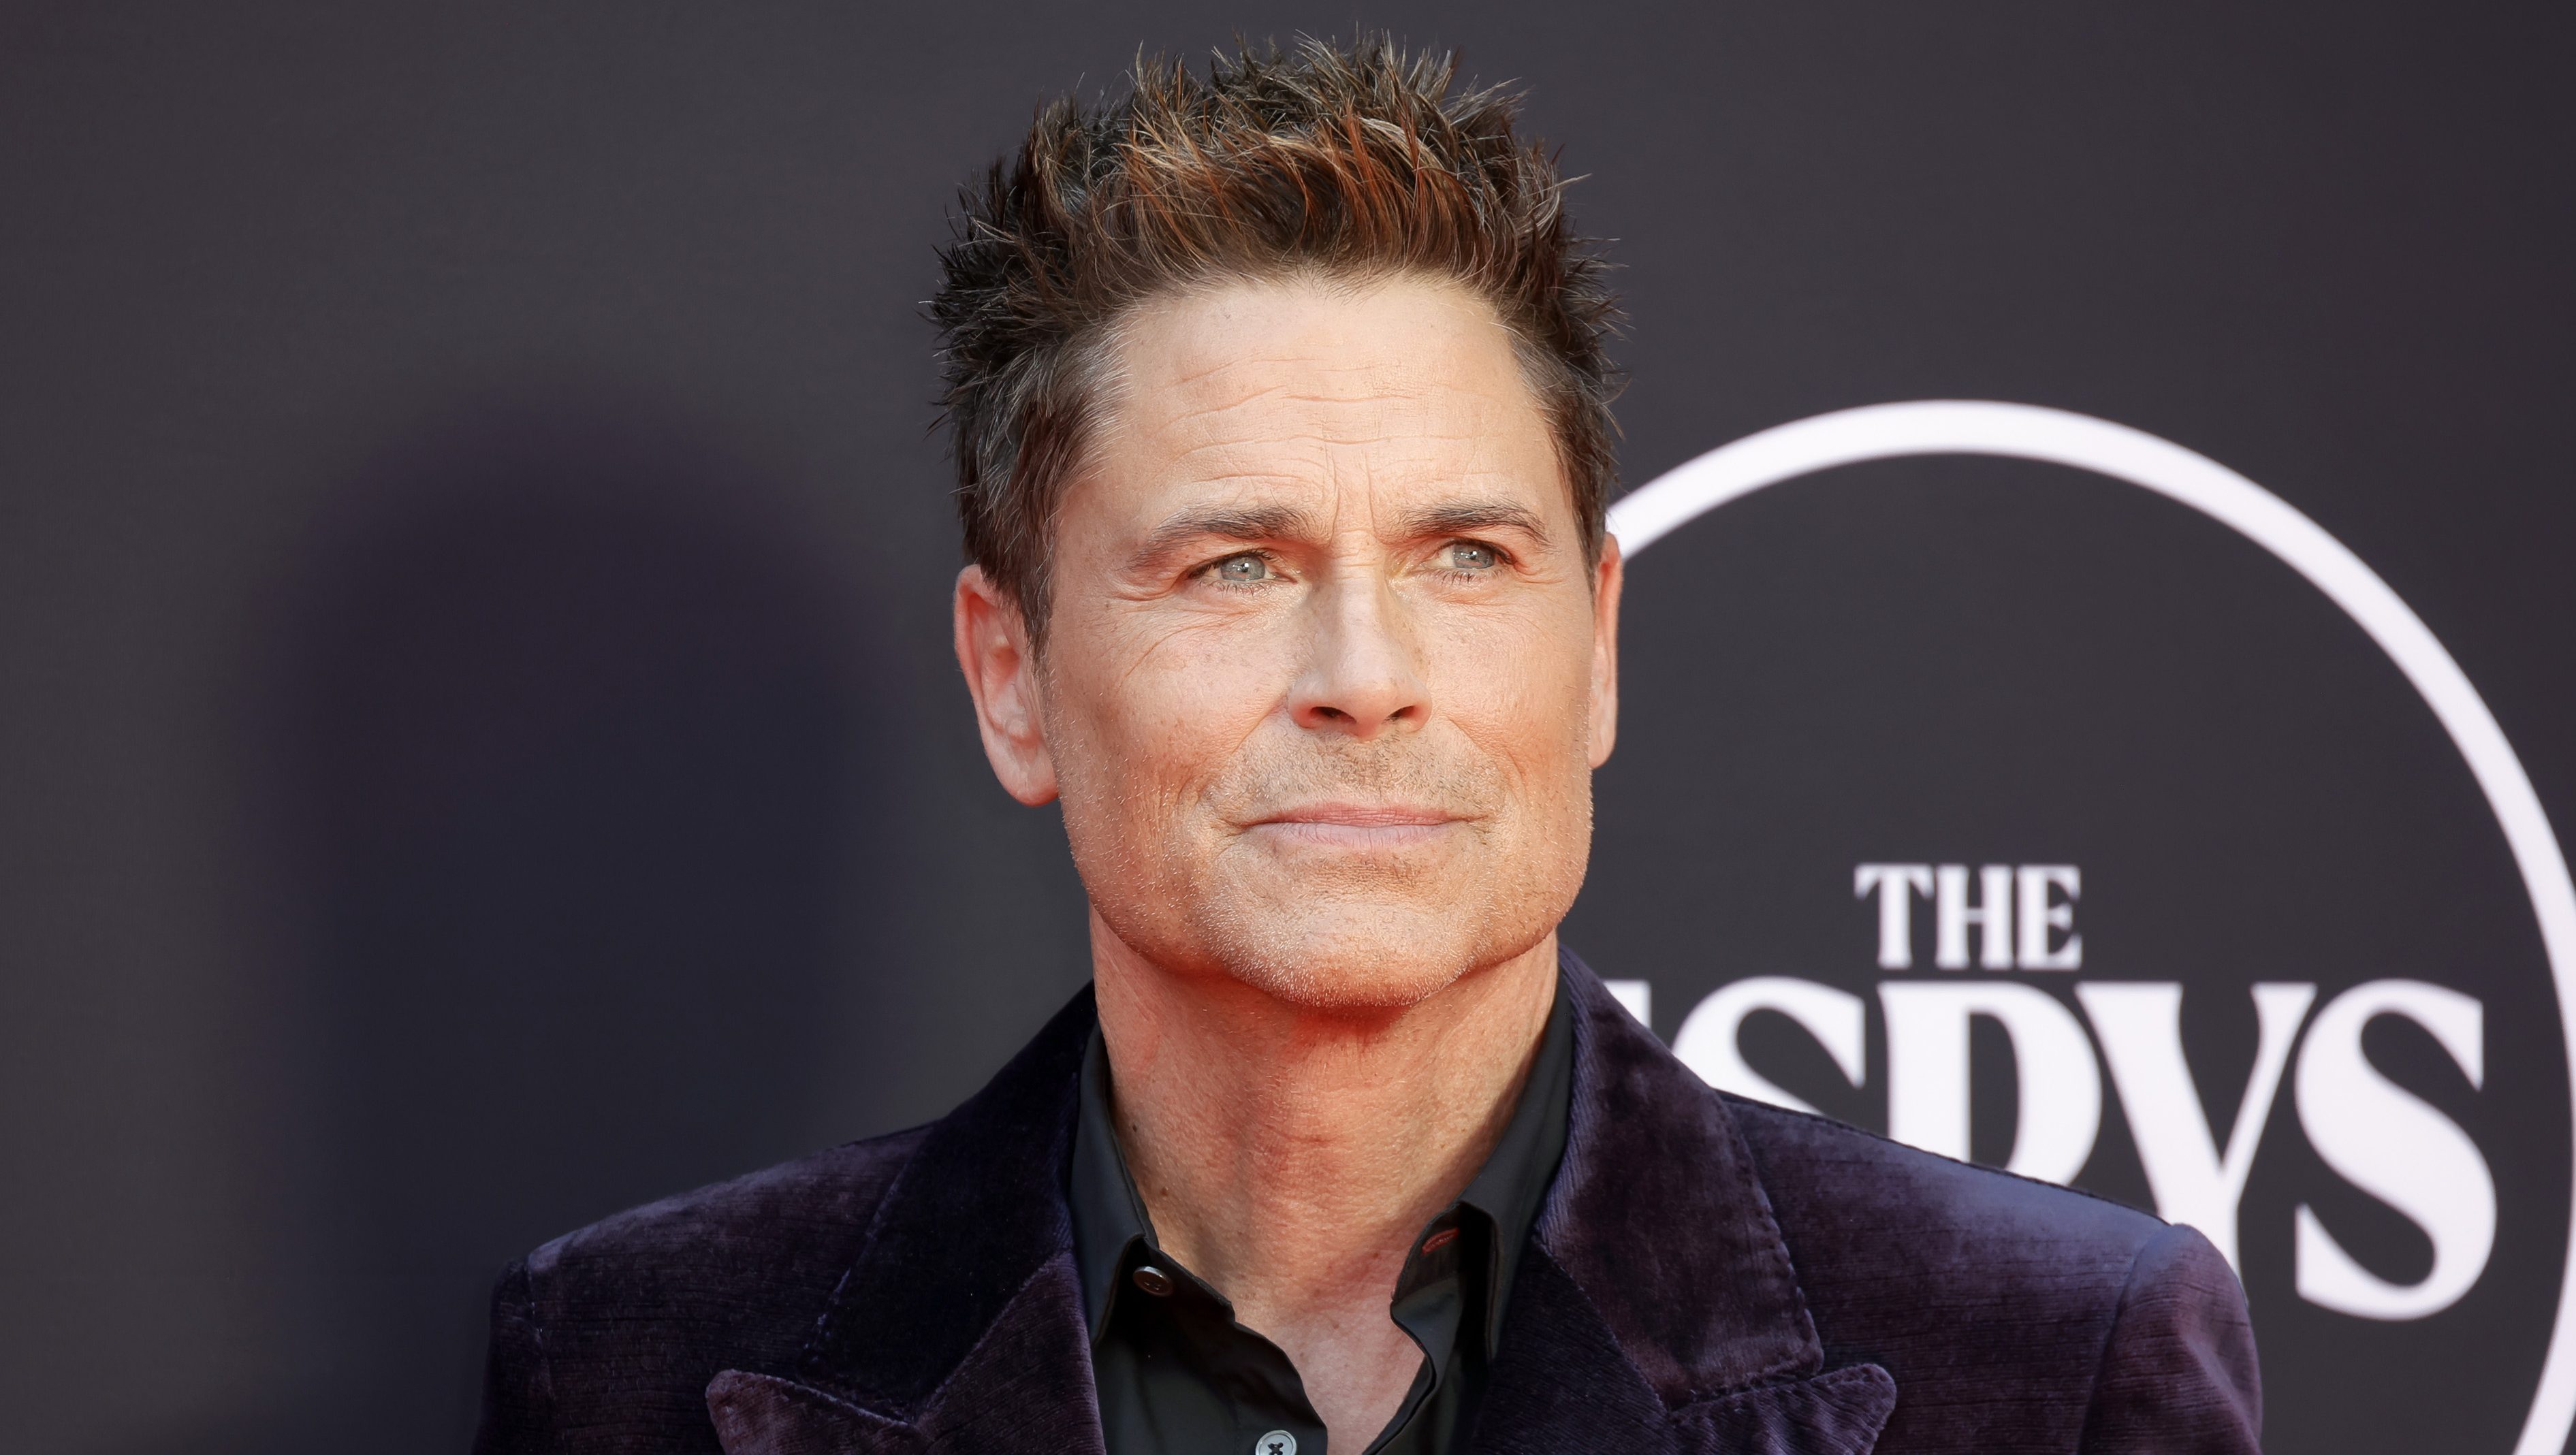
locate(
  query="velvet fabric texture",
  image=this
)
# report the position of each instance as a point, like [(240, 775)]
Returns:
[(1707, 1275)]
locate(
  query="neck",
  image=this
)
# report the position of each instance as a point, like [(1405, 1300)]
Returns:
[(1288, 1154)]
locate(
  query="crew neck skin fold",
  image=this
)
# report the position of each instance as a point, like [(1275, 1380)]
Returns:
[(1177, 1375)]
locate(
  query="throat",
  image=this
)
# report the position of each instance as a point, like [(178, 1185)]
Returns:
[(1313, 1173), (1292, 1157)]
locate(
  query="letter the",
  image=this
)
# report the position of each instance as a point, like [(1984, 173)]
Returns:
[(1897, 884), (1707, 1040), (1992, 915), (2037, 916), (2385, 1141), (1927, 1072), (2140, 1028)]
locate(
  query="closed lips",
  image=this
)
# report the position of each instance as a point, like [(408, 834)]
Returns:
[(1358, 825)]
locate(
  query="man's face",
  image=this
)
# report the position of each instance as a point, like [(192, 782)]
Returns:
[(1326, 672)]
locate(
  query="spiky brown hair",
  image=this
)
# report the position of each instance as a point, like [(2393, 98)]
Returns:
[(1359, 161)]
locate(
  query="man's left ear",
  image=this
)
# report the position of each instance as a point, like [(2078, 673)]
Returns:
[(1607, 578)]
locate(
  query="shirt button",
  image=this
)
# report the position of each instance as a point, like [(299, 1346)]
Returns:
[(1158, 1283), (1277, 1442)]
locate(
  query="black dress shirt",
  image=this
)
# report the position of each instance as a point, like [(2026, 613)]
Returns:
[(1178, 1376)]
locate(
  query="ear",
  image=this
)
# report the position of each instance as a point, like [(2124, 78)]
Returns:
[(1001, 672), (1608, 577)]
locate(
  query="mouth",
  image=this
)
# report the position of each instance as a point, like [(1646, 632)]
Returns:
[(1379, 826)]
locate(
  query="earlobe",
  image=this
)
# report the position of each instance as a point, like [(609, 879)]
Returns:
[(1607, 580), (1001, 674)]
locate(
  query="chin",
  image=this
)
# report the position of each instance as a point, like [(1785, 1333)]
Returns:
[(1368, 961), (1348, 987)]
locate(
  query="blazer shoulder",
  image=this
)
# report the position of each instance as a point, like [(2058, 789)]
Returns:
[(605, 1338), (622, 1323), (1823, 1175), (1894, 1245), (2105, 1325), (815, 1207)]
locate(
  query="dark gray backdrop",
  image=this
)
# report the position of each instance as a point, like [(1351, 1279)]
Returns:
[(478, 747)]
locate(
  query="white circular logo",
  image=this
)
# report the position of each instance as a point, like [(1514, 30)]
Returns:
[(1967, 427)]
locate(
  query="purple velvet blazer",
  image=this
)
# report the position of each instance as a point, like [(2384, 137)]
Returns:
[(1707, 1275)]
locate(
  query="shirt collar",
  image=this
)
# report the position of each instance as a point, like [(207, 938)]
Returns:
[(1109, 1218), (1513, 1183)]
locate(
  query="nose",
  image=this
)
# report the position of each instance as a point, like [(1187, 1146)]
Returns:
[(1362, 675)]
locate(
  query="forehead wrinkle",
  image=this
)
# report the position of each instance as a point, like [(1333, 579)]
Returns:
[(1356, 420), (1297, 457), (1393, 420), (1316, 361), (1413, 388), (1273, 423), (1160, 355), (1295, 377)]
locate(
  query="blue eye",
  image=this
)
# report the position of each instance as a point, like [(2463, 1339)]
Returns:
[(1243, 570), (1467, 556)]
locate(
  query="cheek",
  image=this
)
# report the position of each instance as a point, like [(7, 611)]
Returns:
[(1522, 691), (1162, 707)]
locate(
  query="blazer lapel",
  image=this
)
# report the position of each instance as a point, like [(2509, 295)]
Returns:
[(960, 1327), (1025, 1386), (1656, 1308), (762, 1414)]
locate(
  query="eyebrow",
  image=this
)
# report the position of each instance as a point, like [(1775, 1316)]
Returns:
[(1227, 523), (1289, 522), (1475, 517)]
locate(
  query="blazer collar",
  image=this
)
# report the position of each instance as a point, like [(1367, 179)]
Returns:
[(1659, 1219), (1654, 1308), (1657, 1308)]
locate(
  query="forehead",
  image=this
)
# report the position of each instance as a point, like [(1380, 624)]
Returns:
[(1404, 385)]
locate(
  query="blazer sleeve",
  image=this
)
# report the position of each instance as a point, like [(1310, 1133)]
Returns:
[(518, 1394), (2178, 1373)]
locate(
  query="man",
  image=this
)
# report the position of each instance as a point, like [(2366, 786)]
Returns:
[(1281, 423)]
